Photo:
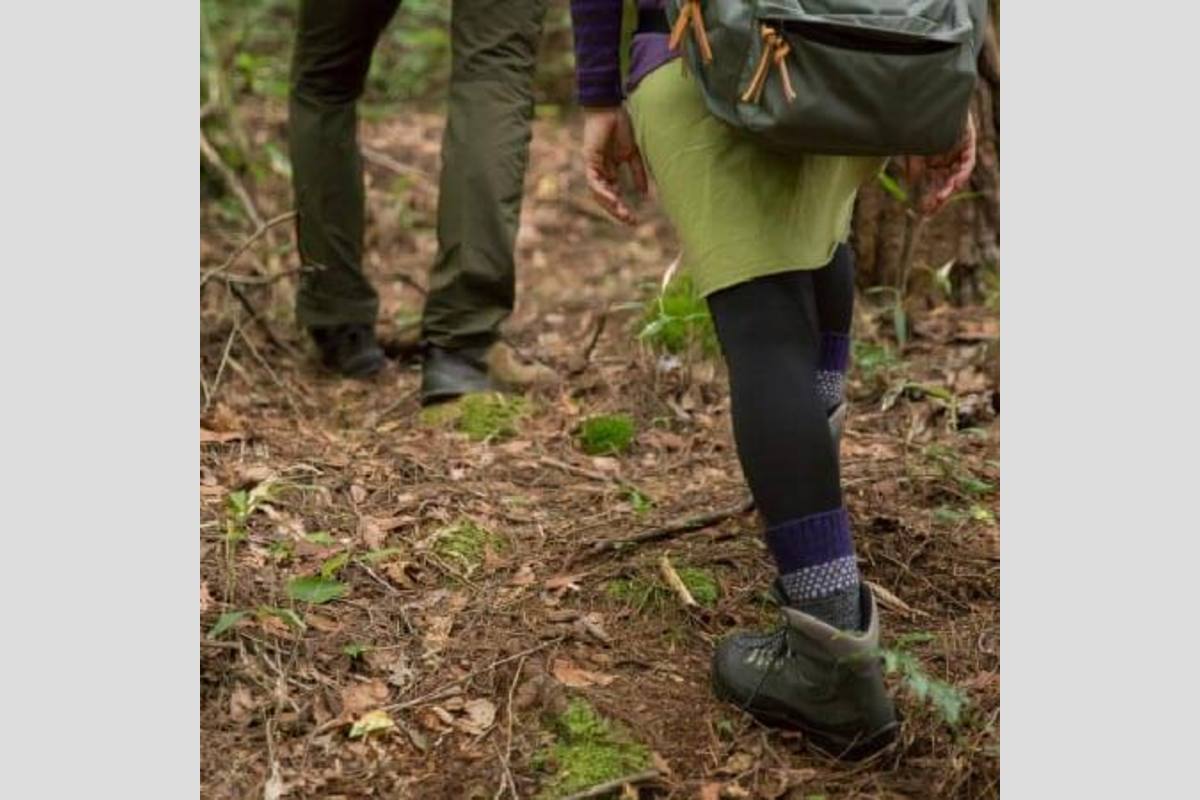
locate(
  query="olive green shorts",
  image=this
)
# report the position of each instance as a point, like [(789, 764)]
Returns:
[(741, 211)]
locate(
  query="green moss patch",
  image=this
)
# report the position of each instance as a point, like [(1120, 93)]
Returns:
[(654, 595), (607, 434), (588, 749), (485, 416), (701, 583)]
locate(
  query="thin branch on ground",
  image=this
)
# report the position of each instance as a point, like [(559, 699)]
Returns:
[(245, 245), (677, 528), (601, 789), (256, 317), (216, 384), (210, 154), (288, 392), (580, 363), (423, 178), (676, 583), (438, 694), (507, 777), (583, 472)]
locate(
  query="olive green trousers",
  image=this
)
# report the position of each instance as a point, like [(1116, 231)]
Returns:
[(485, 150)]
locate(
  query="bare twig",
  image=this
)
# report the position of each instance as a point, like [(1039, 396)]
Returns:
[(507, 778), (424, 179), (594, 475), (216, 384), (676, 583), (289, 394), (451, 687), (601, 789), (580, 362), (262, 323), (210, 154), (245, 245), (682, 526)]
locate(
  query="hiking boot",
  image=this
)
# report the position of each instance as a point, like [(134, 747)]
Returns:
[(349, 349), (811, 677), (447, 374)]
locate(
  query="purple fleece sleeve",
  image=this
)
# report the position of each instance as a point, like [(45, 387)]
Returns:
[(597, 26)]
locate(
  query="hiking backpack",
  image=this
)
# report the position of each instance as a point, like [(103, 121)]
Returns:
[(847, 77)]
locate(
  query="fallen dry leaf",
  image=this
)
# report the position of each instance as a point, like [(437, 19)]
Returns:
[(889, 600), (710, 791), (359, 698), (372, 535), (206, 600), (564, 582), (577, 678), (241, 704), (358, 494), (219, 437), (524, 576), (480, 715), (737, 764), (370, 722)]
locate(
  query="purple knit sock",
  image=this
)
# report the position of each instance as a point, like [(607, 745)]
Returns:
[(817, 568), (833, 358)]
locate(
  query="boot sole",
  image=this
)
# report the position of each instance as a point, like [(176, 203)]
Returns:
[(836, 745)]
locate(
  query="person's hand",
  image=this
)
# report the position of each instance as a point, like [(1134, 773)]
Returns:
[(938, 177), (608, 143)]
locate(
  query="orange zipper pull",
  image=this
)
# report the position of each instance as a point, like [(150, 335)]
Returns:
[(691, 16)]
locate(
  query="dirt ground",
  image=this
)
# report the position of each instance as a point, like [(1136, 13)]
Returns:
[(474, 607)]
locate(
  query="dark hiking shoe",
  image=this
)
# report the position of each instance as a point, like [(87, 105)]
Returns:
[(349, 349), (447, 374), (811, 677)]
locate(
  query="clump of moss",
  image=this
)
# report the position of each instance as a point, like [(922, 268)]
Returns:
[(652, 595), (484, 416), (638, 593), (588, 749), (678, 319), (466, 542), (701, 583), (606, 434)]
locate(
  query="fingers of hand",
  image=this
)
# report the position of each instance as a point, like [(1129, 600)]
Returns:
[(604, 189)]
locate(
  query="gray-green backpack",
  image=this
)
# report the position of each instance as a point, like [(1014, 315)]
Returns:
[(851, 77)]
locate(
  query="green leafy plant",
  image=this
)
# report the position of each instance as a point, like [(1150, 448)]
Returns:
[(289, 616), (640, 503), (950, 467), (677, 319), (225, 622), (607, 434), (874, 359), (949, 701), (315, 589), (466, 543), (355, 650), (588, 750)]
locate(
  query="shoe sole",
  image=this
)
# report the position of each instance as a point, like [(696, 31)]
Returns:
[(835, 745)]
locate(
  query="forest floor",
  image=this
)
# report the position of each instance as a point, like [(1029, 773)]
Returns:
[(360, 556)]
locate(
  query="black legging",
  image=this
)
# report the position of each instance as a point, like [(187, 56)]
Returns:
[(769, 329), (833, 290)]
